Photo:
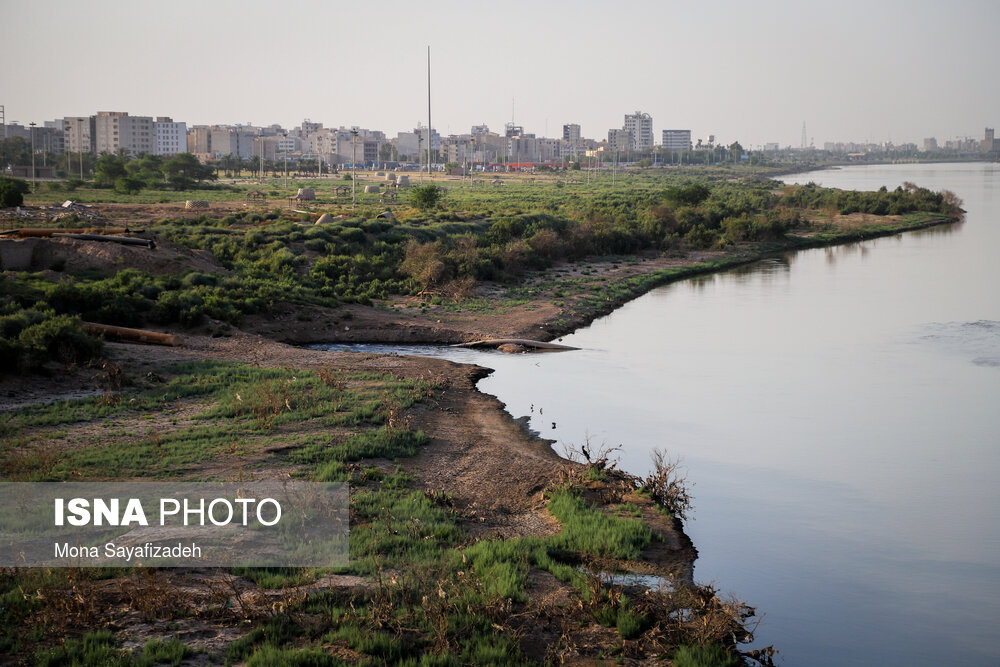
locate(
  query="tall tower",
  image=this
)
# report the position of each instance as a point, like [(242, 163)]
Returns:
[(803, 135), (3, 124)]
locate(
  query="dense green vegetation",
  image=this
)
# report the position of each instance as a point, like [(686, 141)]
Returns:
[(12, 191), (271, 258)]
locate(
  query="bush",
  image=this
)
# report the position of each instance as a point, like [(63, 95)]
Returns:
[(708, 655), (630, 625), (426, 197), (62, 338), (128, 185), (11, 192)]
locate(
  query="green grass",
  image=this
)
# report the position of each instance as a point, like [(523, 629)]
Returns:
[(710, 655), (100, 649), (241, 407)]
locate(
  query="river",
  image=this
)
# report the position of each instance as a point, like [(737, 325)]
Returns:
[(837, 411)]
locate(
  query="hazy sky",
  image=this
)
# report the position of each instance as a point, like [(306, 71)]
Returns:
[(747, 71)]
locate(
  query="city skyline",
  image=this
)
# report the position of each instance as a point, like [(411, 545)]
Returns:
[(851, 72)]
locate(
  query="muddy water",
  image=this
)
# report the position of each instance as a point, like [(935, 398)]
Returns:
[(837, 410)]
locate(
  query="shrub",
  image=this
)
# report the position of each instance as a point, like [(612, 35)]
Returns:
[(11, 193), (707, 655), (61, 337), (426, 197), (630, 625)]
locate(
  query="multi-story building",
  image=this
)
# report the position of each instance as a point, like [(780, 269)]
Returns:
[(116, 130), (79, 134), (640, 125), (171, 137), (930, 144), (412, 145), (523, 148), (238, 140), (677, 140), (199, 140), (619, 139), (571, 133), (49, 138), (15, 129), (989, 141)]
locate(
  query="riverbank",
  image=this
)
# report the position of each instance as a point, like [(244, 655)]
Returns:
[(559, 300), (508, 525)]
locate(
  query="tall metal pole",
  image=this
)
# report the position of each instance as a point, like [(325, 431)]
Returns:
[(285, 151), (354, 178), (428, 111), (32, 124)]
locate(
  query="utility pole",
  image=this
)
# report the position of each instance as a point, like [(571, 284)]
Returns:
[(428, 111), (354, 164), (32, 124), (285, 151)]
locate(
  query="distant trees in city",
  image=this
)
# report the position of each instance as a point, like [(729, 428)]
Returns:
[(130, 175)]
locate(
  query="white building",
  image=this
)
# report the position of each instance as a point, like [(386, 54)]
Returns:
[(677, 140), (640, 125), (171, 137)]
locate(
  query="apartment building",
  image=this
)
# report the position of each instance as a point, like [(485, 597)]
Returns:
[(116, 130), (571, 133), (238, 140), (78, 134), (677, 140), (170, 137), (619, 139), (640, 127)]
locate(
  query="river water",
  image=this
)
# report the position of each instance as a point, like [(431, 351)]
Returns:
[(838, 411)]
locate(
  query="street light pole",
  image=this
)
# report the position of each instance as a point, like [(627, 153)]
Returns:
[(32, 124), (285, 151), (354, 164)]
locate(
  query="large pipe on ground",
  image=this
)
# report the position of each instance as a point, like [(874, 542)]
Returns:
[(124, 240), (497, 342), (45, 232), (126, 335)]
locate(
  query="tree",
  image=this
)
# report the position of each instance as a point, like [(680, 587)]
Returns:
[(109, 169), (426, 197), (128, 185), (12, 191), (183, 171), (736, 150), (148, 169), (15, 150)]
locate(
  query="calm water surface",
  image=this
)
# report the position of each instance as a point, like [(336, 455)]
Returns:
[(838, 412)]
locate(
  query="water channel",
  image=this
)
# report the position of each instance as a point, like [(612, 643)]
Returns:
[(838, 411)]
